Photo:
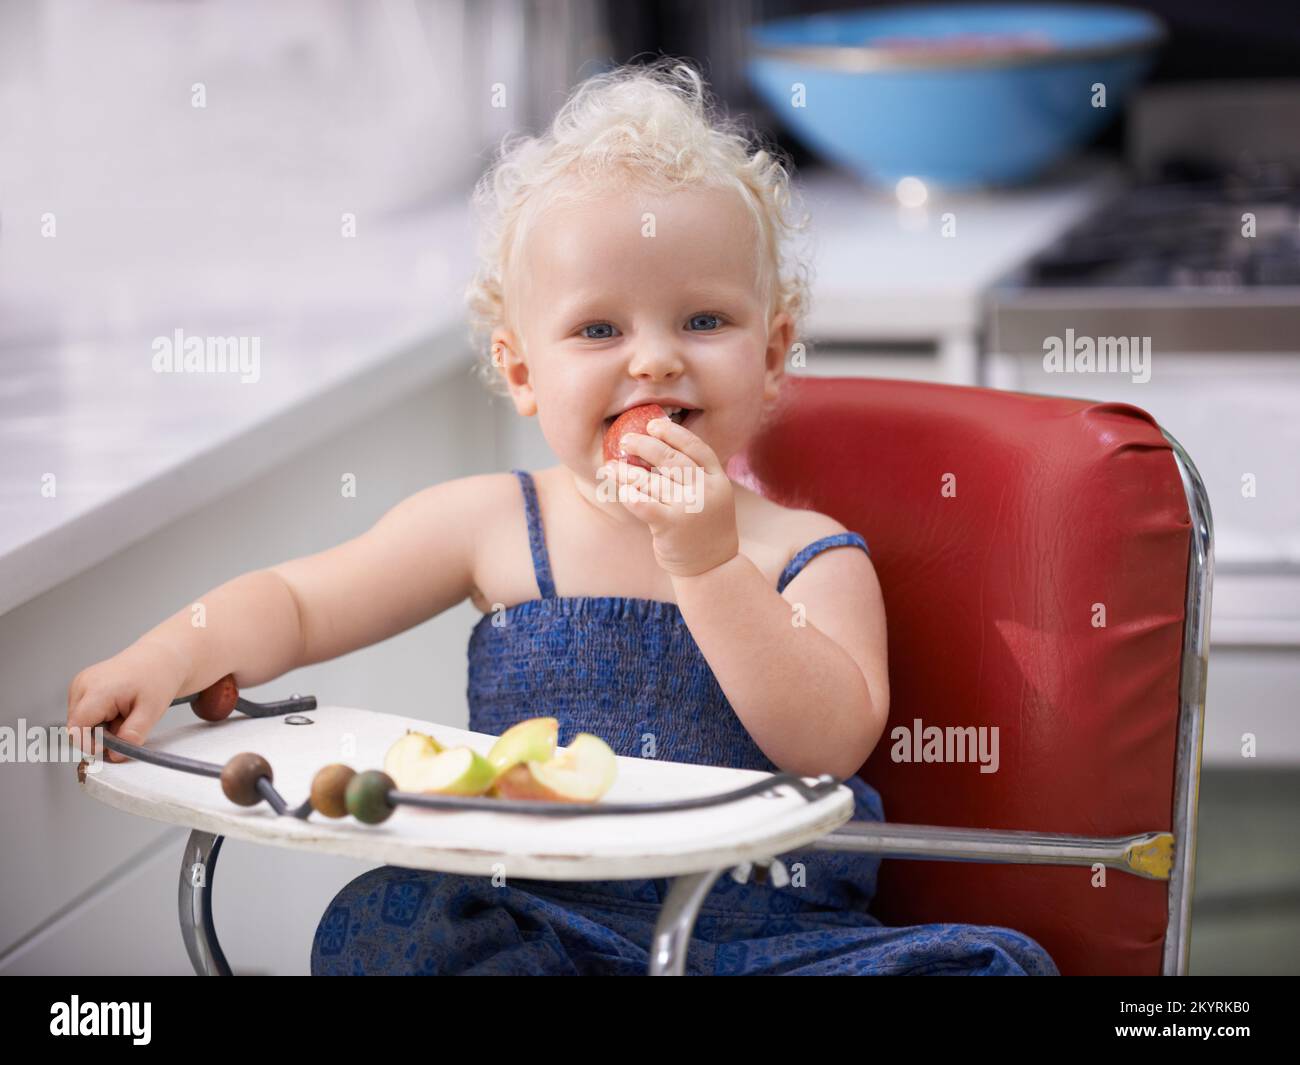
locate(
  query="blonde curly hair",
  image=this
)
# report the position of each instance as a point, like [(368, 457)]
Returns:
[(656, 125)]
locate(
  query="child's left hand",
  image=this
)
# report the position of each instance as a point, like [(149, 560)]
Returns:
[(687, 500)]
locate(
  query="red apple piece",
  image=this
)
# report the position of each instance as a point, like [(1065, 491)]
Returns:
[(581, 772), (634, 420)]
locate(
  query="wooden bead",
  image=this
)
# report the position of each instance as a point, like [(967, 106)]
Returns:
[(329, 790), (217, 701), (240, 775), (367, 796)]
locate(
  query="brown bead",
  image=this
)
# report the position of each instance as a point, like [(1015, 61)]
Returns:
[(240, 775), (329, 790), (217, 701)]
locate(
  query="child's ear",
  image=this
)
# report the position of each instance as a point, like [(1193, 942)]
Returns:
[(507, 356), (780, 335)]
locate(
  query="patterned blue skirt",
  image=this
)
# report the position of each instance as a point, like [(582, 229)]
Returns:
[(393, 921)]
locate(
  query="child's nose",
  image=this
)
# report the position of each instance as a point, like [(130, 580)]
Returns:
[(656, 356)]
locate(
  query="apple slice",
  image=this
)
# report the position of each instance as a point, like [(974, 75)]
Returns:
[(408, 754), (459, 771), (532, 740), (581, 772)]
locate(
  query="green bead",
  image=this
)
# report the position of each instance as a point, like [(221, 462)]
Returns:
[(367, 796), (240, 775)]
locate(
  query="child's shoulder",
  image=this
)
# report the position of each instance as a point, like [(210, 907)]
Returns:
[(497, 537), (493, 485), (787, 530), (481, 493)]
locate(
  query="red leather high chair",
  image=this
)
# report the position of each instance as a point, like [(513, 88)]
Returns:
[(1046, 565)]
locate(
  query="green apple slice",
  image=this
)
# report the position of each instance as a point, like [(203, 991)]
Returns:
[(407, 755), (459, 771), (529, 741)]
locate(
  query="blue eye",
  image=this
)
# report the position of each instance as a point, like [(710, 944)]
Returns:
[(698, 317), (597, 325)]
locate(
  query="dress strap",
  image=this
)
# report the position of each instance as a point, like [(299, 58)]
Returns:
[(536, 537), (844, 539)]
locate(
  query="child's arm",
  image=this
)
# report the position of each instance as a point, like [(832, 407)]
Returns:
[(814, 696), (806, 670), (412, 564)]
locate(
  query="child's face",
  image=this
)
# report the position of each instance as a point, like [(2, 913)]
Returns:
[(637, 295)]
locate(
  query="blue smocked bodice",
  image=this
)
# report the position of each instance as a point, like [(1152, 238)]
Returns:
[(629, 671)]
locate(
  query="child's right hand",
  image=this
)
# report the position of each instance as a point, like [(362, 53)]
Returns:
[(127, 694)]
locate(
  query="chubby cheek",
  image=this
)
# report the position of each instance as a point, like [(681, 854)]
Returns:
[(726, 431), (732, 425), (574, 435)]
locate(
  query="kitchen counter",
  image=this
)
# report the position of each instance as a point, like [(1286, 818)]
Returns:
[(167, 484), (97, 450)]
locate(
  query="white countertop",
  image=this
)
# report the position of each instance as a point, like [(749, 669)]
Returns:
[(883, 271), (345, 326)]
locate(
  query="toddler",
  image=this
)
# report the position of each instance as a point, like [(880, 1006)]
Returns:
[(637, 253)]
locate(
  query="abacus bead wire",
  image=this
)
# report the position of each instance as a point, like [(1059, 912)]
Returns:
[(240, 775)]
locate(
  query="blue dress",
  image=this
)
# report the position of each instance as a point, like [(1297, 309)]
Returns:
[(629, 671)]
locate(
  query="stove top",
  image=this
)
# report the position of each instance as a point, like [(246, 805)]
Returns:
[(1185, 227)]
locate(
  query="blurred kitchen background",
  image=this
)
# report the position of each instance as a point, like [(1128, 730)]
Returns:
[(298, 172)]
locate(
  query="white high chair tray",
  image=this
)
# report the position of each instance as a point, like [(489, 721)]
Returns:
[(472, 842)]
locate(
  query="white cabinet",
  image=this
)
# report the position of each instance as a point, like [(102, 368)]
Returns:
[(73, 866)]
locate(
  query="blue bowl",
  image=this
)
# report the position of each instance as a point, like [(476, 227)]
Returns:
[(995, 109)]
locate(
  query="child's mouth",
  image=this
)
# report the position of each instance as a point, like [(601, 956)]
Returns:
[(680, 415)]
